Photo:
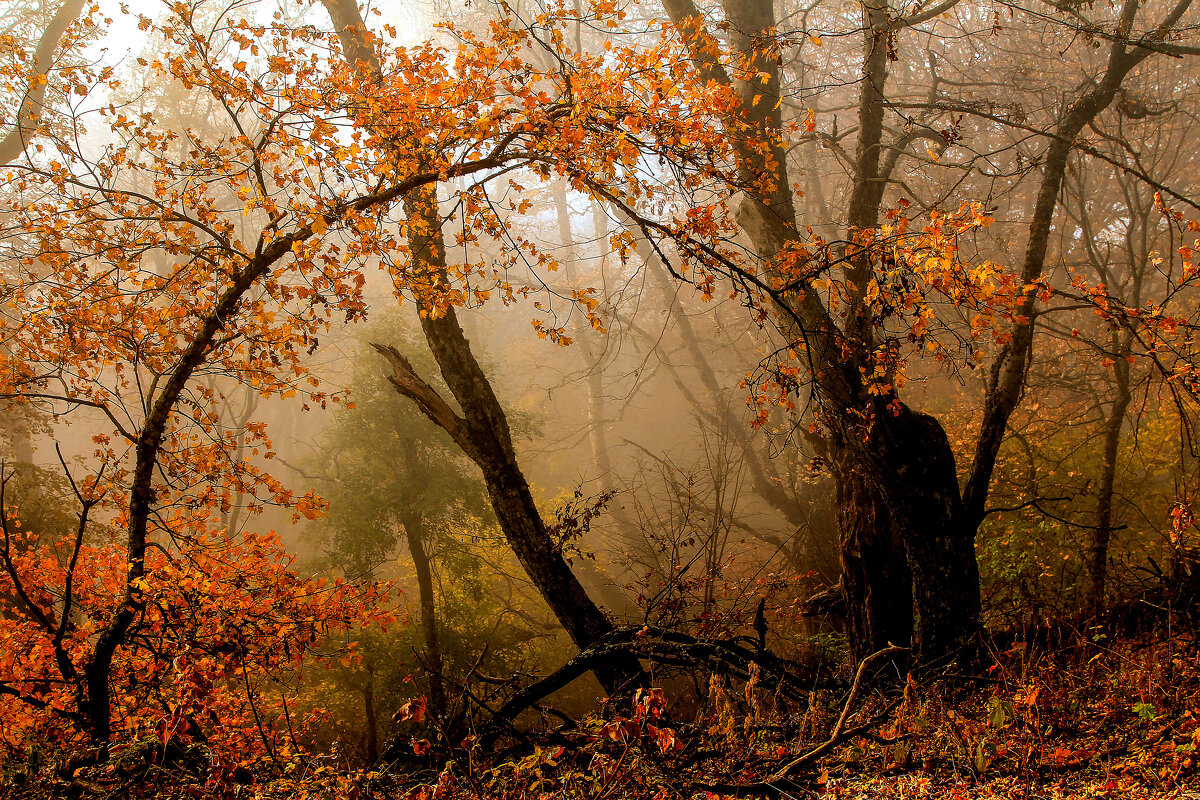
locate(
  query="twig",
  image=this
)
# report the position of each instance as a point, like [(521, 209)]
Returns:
[(258, 720), (780, 782)]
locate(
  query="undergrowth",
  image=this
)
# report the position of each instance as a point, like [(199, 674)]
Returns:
[(1095, 719)]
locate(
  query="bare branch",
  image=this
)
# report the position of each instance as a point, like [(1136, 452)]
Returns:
[(409, 383)]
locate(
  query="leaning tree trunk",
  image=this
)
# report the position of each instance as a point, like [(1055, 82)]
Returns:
[(1011, 366), (483, 434), (482, 431)]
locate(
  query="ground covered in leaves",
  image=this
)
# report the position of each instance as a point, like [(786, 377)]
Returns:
[(1092, 719)]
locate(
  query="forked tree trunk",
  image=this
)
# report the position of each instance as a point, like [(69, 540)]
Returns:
[(904, 458), (876, 587), (482, 433)]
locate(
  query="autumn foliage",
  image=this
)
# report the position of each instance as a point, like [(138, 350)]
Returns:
[(168, 261), (152, 279), (223, 620)]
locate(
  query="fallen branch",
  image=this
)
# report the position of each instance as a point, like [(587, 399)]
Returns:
[(659, 646), (839, 732)]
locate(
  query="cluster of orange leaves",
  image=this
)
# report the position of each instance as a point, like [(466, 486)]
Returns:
[(924, 296), (222, 616)]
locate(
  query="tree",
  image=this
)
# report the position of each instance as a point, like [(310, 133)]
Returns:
[(848, 307), (482, 429), (171, 256), (393, 476)]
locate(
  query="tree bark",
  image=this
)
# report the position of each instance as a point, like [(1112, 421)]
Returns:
[(916, 474), (414, 534), (877, 590), (1097, 557)]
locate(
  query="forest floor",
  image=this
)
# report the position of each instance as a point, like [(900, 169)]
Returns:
[(1089, 720)]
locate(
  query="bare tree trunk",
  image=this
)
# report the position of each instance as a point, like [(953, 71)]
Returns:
[(483, 433), (1097, 563), (916, 474), (414, 534), (1011, 367), (371, 745)]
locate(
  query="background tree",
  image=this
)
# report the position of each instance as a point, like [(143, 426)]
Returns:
[(393, 481)]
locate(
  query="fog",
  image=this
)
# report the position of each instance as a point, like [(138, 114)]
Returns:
[(825, 329)]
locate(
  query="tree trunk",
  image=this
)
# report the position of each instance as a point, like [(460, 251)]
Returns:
[(878, 593), (1011, 367), (483, 433), (916, 475), (877, 586), (414, 534), (486, 431), (1097, 563), (371, 745)]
